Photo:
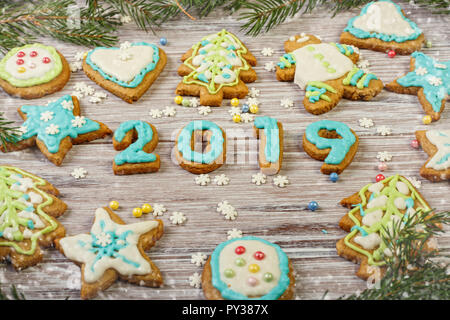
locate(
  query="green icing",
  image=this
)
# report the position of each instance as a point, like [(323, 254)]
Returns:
[(48, 76)]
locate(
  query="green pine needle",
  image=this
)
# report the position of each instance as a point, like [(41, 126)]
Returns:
[(15, 294), (8, 133)]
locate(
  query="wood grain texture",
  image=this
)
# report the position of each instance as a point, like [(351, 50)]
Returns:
[(276, 214)]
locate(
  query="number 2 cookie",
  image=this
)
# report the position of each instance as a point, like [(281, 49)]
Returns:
[(436, 143), (33, 71), (248, 268), (326, 71)]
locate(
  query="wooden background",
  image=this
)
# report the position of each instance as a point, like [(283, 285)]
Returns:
[(276, 214)]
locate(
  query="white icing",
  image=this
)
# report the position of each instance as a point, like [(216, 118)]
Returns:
[(368, 242), (35, 197), (373, 217), (441, 139), (376, 187), (402, 187), (75, 251), (377, 202), (400, 203), (124, 70), (22, 184), (383, 17), (27, 233), (39, 68), (309, 68), (303, 39), (238, 283), (34, 217)]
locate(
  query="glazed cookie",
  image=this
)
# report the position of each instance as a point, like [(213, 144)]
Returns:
[(216, 68), (189, 147), (436, 143), (137, 139), (382, 26), (326, 71), (29, 206), (248, 268), (114, 250), (126, 72), (54, 128), (429, 80), (374, 209), (332, 142), (269, 132), (33, 71)]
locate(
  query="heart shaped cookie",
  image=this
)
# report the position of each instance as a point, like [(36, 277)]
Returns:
[(128, 71)]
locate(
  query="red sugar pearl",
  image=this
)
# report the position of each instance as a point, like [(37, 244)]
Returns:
[(20, 61), (379, 177), (46, 60), (21, 54), (391, 53), (33, 54), (258, 255), (415, 144), (239, 250)]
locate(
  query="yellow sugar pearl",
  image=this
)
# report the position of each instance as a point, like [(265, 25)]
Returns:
[(237, 118), (253, 268), (21, 69), (254, 108), (234, 102), (427, 119), (178, 99), (146, 208), (114, 205), (137, 212)]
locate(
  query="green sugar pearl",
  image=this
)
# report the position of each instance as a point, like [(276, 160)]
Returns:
[(268, 277), (240, 262), (186, 103), (229, 273)]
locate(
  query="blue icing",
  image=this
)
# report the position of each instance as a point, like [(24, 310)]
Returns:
[(61, 117), (134, 153), (29, 208), (315, 98), (356, 77), (202, 77), (409, 203), (26, 196), (361, 210), (30, 224), (359, 33), (272, 133), (138, 78), (360, 229), (434, 94), (230, 294)]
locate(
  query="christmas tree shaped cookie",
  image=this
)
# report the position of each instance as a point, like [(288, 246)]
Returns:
[(382, 26), (33, 71), (326, 71), (429, 79), (28, 208), (374, 209), (436, 143), (216, 68), (54, 128), (114, 250)]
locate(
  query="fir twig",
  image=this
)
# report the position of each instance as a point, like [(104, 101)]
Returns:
[(16, 295), (8, 133)]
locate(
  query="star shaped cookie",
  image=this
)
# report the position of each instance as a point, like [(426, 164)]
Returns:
[(114, 250), (436, 143), (429, 79), (54, 128)]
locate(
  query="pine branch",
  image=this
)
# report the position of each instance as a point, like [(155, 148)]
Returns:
[(16, 295), (435, 6), (8, 133)]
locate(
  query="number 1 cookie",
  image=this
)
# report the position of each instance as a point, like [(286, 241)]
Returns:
[(436, 143), (269, 132), (33, 71), (326, 71)]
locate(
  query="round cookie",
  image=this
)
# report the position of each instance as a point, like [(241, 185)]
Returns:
[(33, 71), (248, 268)]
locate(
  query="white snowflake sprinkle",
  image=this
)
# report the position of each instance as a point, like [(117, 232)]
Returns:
[(79, 56), (287, 103), (100, 94), (155, 113), (94, 99), (384, 131), (259, 178), (421, 71), (177, 217), (227, 210), (269, 66), (251, 101), (235, 110), (194, 102), (77, 94), (281, 181), (125, 19), (158, 209), (47, 116), (75, 66), (267, 52), (124, 55), (22, 130), (435, 81), (169, 111), (103, 239), (415, 182), (88, 90), (253, 93), (247, 117), (52, 129), (364, 65), (198, 259), (234, 233), (202, 179), (204, 110), (221, 180), (79, 173), (67, 104), (125, 45), (384, 156), (365, 122), (79, 86), (78, 122), (195, 280)]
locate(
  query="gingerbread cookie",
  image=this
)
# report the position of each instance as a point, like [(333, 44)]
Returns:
[(374, 209), (436, 143), (270, 134), (429, 80), (217, 68), (248, 268), (326, 71), (137, 139), (114, 250), (126, 72), (332, 142), (29, 206), (54, 128), (189, 147), (33, 71), (382, 26)]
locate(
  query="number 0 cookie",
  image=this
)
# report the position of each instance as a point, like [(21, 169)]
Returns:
[(33, 71), (248, 268)]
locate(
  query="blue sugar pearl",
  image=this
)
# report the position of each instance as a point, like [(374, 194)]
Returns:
[(245, 108), (313, 205), (163, 41), (334, 177), (26, 197)]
